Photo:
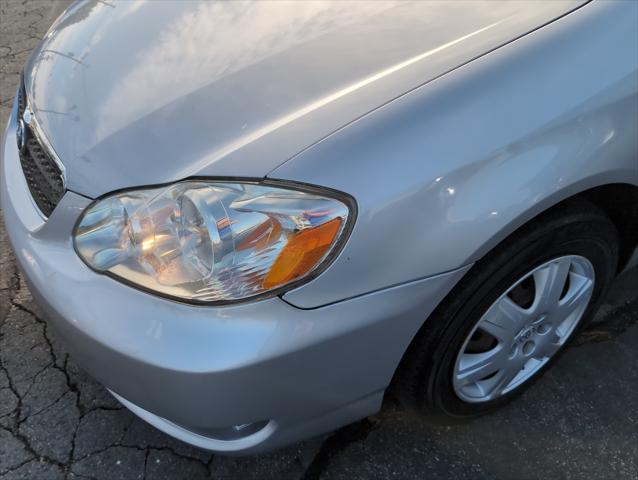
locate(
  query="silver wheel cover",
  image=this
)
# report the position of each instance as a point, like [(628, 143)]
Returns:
[(517, 340)]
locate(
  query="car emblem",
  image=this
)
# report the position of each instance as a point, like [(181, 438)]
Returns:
[(22, 130), (27, 116), (20, 135)]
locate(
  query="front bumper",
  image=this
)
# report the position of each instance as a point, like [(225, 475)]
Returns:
[(191, 370)]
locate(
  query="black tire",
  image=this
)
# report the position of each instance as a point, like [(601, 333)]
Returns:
[(424, 377)]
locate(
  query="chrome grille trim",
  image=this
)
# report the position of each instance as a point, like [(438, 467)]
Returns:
[(42, 169)]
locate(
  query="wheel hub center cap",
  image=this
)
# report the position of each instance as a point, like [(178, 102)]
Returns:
[(526, 334), (523, 328)]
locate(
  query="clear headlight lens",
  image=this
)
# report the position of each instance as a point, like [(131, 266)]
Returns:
[(207, 241)]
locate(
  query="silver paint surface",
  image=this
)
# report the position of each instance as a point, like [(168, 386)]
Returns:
[(138, 93)]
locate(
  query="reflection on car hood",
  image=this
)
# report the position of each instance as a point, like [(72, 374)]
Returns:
[(139, 93)]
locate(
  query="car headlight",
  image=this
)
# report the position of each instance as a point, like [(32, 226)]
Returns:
[(213, 241)]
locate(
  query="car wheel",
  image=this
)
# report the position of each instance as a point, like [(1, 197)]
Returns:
[(511, 316)]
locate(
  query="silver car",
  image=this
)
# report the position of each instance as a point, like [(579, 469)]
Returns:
[(251, 220)]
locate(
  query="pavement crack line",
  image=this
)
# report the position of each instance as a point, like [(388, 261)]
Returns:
[(16, 467), (336, 443), (146, 455), (614, 324), (70, 387)]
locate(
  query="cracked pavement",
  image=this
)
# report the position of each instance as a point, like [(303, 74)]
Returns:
[(579, 420)]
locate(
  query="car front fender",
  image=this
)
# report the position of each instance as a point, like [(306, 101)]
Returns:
[(444, 173)]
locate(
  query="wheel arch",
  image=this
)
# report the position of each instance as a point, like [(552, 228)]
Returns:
[(618, 200), (613, 201)]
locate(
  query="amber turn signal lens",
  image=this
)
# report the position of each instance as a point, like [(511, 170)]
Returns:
[(302, 253)]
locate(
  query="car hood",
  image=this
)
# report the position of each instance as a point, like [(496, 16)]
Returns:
[(140, 93)]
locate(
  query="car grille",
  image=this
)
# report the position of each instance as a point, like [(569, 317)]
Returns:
[(43, 175)]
